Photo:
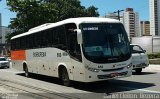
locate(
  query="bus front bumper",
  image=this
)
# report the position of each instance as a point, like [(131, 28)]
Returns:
[(112, 75), (101, 76)]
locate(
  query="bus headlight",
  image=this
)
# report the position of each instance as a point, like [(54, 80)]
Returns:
[(129, 66), (92, 69)]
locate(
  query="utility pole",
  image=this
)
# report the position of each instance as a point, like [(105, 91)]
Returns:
[(118, 13)]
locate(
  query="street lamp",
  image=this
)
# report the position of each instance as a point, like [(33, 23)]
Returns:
[(152, 44), (118, 13)]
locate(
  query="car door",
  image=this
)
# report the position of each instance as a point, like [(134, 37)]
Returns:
[(138, 56)]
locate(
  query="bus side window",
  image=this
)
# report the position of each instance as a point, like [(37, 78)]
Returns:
[(37, 40), (44, 39), (53, 37), (13, 44), (17, 44), (23, 42), (60, 38), (30, 41), (72, 44), (49, 36)]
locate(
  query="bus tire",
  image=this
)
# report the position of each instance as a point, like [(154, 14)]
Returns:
[(138, 70), (26, 74), (65, 78)]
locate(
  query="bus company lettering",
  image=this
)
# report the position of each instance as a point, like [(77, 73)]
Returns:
[(90, 28), (39, 54)]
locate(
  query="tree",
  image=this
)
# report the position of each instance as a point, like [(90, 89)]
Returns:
[(31, 13), (7, 44), (92, 11), (8, 38)]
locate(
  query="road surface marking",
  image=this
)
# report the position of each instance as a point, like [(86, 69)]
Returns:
[(144, 90)]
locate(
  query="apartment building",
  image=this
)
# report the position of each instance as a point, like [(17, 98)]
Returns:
[(154, 17), (145, 28), (131, 22)]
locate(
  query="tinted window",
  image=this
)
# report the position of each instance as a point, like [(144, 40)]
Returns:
[(105, 42), (23, 42), (13, 44), (54, 37), (38, 40), (72, 44), (2, 59)]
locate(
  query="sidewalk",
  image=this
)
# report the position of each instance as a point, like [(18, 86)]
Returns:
[(154, 61), (153, 68)]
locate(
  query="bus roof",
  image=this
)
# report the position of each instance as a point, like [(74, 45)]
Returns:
[(70, 20)]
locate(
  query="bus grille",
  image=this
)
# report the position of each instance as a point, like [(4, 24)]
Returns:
[(108, 70)]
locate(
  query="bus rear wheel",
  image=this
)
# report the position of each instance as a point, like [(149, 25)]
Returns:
[(65, 78), (26, 74)]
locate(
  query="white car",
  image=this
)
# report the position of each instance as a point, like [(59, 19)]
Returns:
[(4, 63), (139, 58)]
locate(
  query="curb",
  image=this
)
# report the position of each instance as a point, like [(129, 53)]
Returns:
[(154, 61)]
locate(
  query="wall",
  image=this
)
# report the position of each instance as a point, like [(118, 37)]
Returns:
[(149, 43)]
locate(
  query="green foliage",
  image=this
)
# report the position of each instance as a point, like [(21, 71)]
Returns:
[(154, 55), (31, 13), (8, 37), (92, 11)]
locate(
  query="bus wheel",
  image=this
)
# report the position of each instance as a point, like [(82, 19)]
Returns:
[(26, 71), (138, 70), (65, 77)]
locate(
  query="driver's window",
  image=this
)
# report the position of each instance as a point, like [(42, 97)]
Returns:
[(72, 43)]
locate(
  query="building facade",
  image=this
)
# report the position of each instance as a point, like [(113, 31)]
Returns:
[(145, 28), (154, 17), (4, 48), (0, 20), (111, 15), (131, 22), (3, 32), (150, 43)]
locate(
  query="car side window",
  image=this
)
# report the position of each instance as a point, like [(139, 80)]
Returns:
[(137, 49)]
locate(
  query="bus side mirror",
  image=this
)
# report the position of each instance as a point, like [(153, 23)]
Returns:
[(79, 36)]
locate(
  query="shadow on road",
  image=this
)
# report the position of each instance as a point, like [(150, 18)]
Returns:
[(43, 78), (112, 86), (108, 87), (144, 73)]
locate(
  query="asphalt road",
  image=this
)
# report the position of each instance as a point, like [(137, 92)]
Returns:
[(14, 85)]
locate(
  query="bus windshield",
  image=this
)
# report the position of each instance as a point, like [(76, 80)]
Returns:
[(105, 42)]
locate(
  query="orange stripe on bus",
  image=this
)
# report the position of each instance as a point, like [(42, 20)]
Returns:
[(18, 55)]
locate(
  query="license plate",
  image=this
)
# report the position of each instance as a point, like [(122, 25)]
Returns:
[(114, 74)]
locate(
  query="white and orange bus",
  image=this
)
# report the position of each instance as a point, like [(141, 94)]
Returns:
[(75, 49)]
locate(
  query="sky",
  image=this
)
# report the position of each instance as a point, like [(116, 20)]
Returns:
[(104, 6)]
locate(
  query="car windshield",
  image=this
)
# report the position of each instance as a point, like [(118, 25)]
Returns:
[(105, 42), (2, 59)]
